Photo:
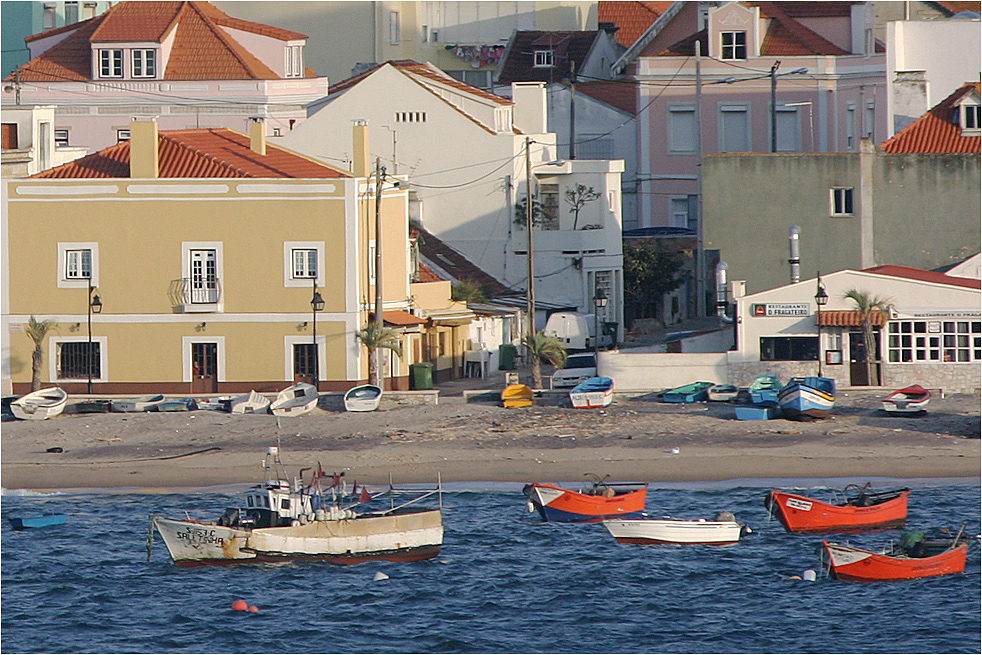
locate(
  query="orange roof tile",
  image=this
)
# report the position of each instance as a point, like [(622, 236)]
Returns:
[(924, 276), (631, 18), (848, 318), (401, 318), (622, 95), (202, 50), (936, 131), (427, 274), (203, 153), (953, 8)]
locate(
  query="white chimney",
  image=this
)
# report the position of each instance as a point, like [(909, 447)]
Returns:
[(530, 107)]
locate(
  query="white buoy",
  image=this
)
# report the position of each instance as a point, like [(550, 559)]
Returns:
[(808, 575), (380, 576)]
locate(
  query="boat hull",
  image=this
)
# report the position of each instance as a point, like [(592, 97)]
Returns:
[(673, 531), (40, 405), (764, 389), (365, 398), (31, 522), (858, 565), (911, 400), (517, 395), (802, 514), (251, 403), (143, 404), (395, 538), (689, 393), (800, 399), (554, 503), (594, 393)]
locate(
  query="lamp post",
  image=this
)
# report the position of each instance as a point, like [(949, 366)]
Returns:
[(94, 307), (316, 305), (599, 302), (821, 299)]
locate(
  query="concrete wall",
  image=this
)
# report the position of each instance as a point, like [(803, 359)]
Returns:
[(639, 371)]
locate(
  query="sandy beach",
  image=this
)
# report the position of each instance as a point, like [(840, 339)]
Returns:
[(634, 438)]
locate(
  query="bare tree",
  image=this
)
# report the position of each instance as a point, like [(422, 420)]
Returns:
[(578, 197)]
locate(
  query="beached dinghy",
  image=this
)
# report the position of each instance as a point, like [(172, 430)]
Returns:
[(283, 521), (592, 393), (722, 393), (764, 389), (909, 400), (914, 556), (250, 403), (722, 530), (39, 405), (598, 500), (296, 400), (142, 404), (364, 398), (688, 393), (807, 397), (517, 395), (861, 508)]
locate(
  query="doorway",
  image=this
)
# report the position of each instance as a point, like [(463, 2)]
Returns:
[(858, 373), (204, 367)]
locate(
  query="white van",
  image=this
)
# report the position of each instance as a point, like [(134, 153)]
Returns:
[(578, 368), (575, 331)]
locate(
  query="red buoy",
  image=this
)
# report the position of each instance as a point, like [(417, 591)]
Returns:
[(240, 605), (253, 609)]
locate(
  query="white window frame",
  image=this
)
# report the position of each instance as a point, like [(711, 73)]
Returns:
[(971, 113), (940, 341), (293, 61), (65, 282), (673, 214), (144, 62), (288, 278), (784, 112), (289, 341), (394, 28), (217, 246), (187, 363), (62, 137), (734, 108), (675, 146), (851, 126), (869, 129), (122, 135), (54, 359), (111, 59), (544, 59), (838, 196), (733, 49)]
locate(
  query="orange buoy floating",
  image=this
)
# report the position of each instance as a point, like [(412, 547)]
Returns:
[(253, 609), (240, 605)]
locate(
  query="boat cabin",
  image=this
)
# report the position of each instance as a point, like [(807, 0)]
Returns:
[(272, 504)]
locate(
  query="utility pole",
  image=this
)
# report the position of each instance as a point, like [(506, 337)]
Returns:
[(700, 255), (379, 324), (530, 284), (774, 105), (572, 110)]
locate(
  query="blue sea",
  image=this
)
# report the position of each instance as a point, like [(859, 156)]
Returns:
[(504, 583)]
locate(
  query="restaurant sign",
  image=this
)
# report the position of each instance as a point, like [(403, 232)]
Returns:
[(781, 309)]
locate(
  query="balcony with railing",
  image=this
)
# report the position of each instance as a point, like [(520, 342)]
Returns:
[(195, 294)]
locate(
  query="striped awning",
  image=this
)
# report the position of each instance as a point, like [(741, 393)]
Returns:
[(847, 318), (401, 318), (452, 317)]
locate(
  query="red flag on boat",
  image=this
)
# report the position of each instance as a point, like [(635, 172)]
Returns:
[(354, 489), (365, 496)]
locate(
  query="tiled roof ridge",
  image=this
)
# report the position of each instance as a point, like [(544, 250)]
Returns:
[(818, 44), (110, 14), (427, 70), (935, 126), (82, 31), (233, 47), (479, 276), (910, 273), (43, 34), (349, 82), (170, 136)]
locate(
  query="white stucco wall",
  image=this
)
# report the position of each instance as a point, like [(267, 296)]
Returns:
[(645, 371)]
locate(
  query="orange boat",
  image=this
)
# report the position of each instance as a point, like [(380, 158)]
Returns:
[(600, 500), (861, 509), (913, 557)]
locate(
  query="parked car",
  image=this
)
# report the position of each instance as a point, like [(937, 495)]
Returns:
[(578, 368)]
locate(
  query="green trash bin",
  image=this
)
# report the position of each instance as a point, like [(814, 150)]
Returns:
[(506, 357), (421, 376)]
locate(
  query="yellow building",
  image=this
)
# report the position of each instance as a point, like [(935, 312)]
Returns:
[(206, 248)]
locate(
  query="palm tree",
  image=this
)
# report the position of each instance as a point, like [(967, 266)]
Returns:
[(37, 331), (542, 347), (869, 306), (374, 338)]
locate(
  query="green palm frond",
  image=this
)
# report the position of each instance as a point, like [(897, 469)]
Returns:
[(375, 337), (38, 330), (548, 348)]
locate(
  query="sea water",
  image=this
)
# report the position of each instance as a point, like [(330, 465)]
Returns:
[(504, 583)]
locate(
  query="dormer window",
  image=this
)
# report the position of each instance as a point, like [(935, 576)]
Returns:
[(733, 45), (111, 63), (144, 63), (294, 61), (545, 58), (972, 118)]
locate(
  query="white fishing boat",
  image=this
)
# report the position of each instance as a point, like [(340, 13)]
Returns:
[(909, 400), (41, 404), (142, 404), (284, 521), (592, 393), (250, 403), (723, 530), (364, 398), (296, 400)]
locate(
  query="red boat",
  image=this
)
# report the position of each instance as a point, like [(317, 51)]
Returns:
[(861, 509), (915, 556), (600, 500)]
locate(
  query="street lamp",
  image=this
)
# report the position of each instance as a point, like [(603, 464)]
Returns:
[(821, 299), (94, 307), (599, 302), (316, 305)]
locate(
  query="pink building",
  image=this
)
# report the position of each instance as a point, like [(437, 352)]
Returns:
[(818, 60), (188, 64)]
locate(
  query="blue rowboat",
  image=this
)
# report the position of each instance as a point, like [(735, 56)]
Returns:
[(807, 397), (757, 412), (688, 393), (177, 405), (764, 389), (42, 521), (592, 393)]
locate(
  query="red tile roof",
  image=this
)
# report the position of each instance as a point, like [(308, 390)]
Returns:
[(808, 9), (427, 274), (401, 318), (924, 276), (202, 49), (517, 64), (622, 95), (631, 18), (936, 131), (202, 153), (952, 8), (848, 318), (455, 264)]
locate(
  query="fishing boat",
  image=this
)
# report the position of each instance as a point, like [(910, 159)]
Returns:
[(764, 388), (914, 556), (141, 404), (40, 521), (807, 397), (598, 500), (41, 404), (517, 395), (592, 393), (283, 521), (91, 407), (250, 403), (364, 398), (722, 393), (296, 400), (861, 508), (722, 530), (177, 405), (688, 393), (909, 400)]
